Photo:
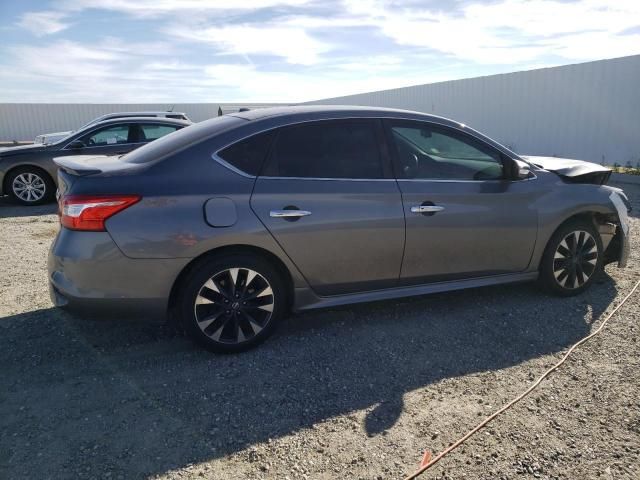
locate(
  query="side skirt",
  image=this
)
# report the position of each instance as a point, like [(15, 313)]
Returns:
[(306, 299)]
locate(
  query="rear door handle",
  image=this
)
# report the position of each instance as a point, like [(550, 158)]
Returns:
[(426, 209), (289, 213)]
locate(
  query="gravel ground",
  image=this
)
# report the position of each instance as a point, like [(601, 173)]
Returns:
[(356, 392)]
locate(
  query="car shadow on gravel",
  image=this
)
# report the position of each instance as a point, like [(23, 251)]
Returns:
[(9, 209), (80, 397)]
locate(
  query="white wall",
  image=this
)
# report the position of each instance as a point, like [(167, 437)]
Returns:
[(23, 121), (589, 111)]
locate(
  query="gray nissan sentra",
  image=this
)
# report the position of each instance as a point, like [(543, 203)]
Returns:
[(229, 224)]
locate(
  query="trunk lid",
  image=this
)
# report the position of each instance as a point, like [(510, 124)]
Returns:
[(102, 167), (82, 165)]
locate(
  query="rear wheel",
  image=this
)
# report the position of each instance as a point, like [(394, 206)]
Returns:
[(232, 303), (572, 259), (30, 186)]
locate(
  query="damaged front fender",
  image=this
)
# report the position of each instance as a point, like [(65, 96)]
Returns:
[(574, 171)]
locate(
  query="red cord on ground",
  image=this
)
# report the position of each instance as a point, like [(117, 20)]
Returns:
[(427, 462)]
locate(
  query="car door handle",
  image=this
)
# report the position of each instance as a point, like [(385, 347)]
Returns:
[(289, 213), (426, 209)]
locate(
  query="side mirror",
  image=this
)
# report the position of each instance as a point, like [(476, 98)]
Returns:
[(76, 145), (522, 170)]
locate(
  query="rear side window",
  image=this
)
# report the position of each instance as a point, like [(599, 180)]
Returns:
[(153, 132), (326, 149), (248, 155)]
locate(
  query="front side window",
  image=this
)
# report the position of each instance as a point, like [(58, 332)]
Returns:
[(326, 149), (153, 132), (113, 135), (426, 151)]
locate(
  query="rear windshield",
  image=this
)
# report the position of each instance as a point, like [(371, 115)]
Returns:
[(180, 139)]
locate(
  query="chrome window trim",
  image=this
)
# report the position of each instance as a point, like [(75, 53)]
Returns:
[(102, 146), (226, 164), (458, 126), (446, 180), (337, 178)]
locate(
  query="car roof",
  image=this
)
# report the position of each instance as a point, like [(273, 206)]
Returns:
[(162, 120), (337, 111), (146, 112)]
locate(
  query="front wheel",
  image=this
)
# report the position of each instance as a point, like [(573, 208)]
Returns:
[(30, 186), (572, 259), (232, 303)]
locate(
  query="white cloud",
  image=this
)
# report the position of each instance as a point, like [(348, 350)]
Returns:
[(66, 71), (595, 45), (323, 54), (510, 31), (293, 44), (150, 8), (43, 23)]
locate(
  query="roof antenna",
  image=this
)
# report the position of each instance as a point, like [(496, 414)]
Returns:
[(171, 109)]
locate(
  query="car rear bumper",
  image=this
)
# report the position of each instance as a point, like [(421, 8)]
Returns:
[(87, 271)]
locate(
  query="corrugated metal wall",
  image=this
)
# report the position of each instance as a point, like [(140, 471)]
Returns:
[(589, 111), (23, 121)]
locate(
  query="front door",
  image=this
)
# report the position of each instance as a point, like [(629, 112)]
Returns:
[(112, 140), (327, 196), (464, 218)]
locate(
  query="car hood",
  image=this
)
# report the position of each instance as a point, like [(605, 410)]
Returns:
[(48, 138), (566, 167), (56, 134), (22, 150), (571, 170)]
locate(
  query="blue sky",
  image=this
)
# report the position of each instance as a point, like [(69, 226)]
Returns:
[(289, 50)]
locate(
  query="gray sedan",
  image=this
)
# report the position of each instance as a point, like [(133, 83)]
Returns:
[(231, 223), (28, 174)]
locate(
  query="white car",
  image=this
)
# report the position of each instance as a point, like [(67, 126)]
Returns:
[(49, 138)]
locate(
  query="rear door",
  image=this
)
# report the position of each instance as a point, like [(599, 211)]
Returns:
[(327, 195), (464, 217)]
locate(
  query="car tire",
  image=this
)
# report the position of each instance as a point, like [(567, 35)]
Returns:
[(232, 303), (30, 186), (572, 259)]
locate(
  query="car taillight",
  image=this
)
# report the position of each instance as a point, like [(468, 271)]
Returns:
[(89, 212)]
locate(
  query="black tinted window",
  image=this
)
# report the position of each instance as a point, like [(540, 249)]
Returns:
[(330, 149), (247, 155), (430, 152)]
